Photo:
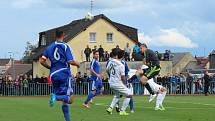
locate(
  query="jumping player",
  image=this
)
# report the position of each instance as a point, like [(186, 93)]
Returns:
[(61, 57), (152, 61)]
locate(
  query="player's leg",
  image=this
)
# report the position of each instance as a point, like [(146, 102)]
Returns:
[(131, 103), (65, 106), (163, 90), (114, 101), (150, 74), (90, 95), (118, 105), (125, 91), (60, 91)]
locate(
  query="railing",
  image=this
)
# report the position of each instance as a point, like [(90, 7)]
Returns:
[(43, 89)]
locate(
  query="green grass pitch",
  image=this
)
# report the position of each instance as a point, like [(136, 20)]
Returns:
[(178, 108)]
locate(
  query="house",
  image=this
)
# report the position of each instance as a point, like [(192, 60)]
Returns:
[(4, 65), (99, 30)]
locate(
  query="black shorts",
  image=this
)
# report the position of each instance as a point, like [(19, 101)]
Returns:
[(151, 72)]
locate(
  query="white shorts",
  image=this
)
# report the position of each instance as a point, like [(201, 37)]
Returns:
[(121, 89)]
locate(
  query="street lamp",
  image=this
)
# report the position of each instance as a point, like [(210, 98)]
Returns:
[(12, 59)]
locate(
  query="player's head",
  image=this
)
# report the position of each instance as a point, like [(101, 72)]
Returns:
[(114, 53), (59, 35), (111, 55), (120, 54), (96, 54), (143, 48)]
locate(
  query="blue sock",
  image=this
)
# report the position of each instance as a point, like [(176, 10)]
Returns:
[(131, 103), (89, 97), (65, 109), (98, 92), (64, 98), (117, 104)]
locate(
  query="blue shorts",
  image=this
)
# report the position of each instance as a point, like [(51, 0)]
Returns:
[(97, 85), (63, 86)]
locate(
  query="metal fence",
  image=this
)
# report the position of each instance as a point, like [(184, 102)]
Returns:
[(43, 89)]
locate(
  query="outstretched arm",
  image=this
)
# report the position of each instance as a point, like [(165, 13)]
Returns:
[(44, 63)]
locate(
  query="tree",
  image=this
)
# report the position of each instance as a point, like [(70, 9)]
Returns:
[(27, 55)]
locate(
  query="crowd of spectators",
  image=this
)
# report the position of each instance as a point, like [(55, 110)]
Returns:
[(186, 83), (131, 53), (183, 83)]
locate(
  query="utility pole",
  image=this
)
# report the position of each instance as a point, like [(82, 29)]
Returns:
[(91, 6)]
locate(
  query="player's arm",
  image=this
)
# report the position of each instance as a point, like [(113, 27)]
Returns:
[(74, 63), (92, 71), (70, 57), (43, 62), (122, 73)]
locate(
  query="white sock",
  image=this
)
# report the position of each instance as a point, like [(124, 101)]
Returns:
[(158, 101), (114, 101), (125, 104), (162, 97)]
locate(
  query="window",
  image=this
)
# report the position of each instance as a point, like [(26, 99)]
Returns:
[(92, 37), (43, 40), (109, 37)]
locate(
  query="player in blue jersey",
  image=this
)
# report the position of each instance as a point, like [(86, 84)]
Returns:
[(61, 57), (97, 85)]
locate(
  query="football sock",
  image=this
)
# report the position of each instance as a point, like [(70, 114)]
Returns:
[(65, 109), (131, 103), (89, 97), (64, 98), (117, 104), (98, 92), (125, 104), (114, 101), (159, 99)]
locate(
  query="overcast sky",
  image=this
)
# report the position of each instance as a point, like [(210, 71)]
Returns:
[(178, 25)]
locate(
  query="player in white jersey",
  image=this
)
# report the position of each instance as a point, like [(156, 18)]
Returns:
[(117, 81)]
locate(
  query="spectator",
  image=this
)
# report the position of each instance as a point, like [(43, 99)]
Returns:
[(158, 55), (106, 56), (127, 52), (166, 56), (87, 53), (207, 80), (159, 79), (136, 48), (101, 53), (95, 48), (189, 83)]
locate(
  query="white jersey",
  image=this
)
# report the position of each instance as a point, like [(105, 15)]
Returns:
[(116, 70), (155, 87)]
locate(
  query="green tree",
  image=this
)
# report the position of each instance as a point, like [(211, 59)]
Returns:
[(27, 55)]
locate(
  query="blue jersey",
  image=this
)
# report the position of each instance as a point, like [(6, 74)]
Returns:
[(126, 67), (94, 65), (60, 54)]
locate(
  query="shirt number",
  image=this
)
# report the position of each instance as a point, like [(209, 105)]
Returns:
[(56, 54), (112, 69)]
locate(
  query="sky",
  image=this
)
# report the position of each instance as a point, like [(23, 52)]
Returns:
[(178, 25)]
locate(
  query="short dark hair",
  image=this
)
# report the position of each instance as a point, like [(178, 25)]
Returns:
[(94, 52), (59, 34), (114, 52), (111, 55), (121, 54), (143, 44)]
